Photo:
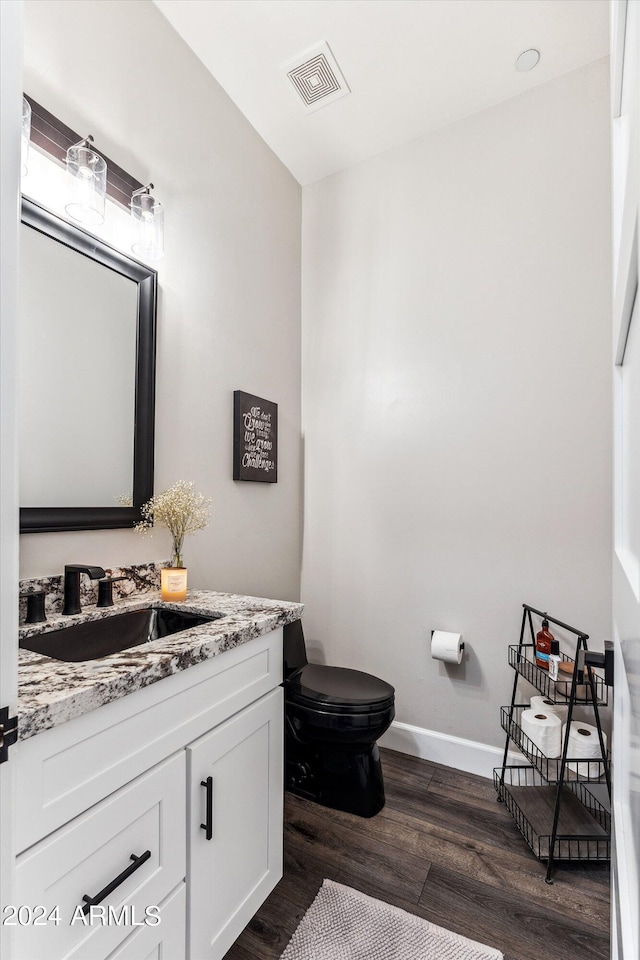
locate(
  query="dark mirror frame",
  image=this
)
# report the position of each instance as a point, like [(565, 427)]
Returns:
[(54, 519)]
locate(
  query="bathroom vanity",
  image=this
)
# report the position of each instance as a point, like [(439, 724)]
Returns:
[(151, 778)]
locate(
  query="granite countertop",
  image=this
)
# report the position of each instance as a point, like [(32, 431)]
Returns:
[(51, 691)]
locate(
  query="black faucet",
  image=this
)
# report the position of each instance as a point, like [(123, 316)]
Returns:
[(72, 585)]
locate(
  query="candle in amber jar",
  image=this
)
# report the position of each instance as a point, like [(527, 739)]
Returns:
[(173, 581)]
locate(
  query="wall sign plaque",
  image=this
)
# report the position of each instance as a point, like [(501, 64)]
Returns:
[(255, 438)]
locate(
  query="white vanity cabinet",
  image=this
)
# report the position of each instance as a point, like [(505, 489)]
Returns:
[(115, 797)]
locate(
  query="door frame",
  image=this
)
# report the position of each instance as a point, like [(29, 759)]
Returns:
[(11, 19), (625, 110)]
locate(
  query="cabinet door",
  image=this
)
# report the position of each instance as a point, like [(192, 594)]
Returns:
[(233, 872)]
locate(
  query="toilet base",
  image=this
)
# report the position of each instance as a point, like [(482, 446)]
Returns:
[(343, 779)]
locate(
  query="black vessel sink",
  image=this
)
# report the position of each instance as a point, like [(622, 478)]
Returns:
[(100, 638)]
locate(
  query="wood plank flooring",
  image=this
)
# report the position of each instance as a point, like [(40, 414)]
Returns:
[(442, 848)]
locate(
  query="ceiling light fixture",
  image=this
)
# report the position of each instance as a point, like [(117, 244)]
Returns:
[(87, 179), (527, 60)]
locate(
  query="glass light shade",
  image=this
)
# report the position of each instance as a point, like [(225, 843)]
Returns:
[(147, 217), (87, 183), (173, 583), (26, 134)]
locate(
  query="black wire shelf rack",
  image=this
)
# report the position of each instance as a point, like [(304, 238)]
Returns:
[(522, 659), (584, 824), (560, 805), (591, 770)]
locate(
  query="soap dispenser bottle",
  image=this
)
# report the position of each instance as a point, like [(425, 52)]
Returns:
[(554, 660), (544, 640)]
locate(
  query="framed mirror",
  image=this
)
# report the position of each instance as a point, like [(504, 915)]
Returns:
[(86, 379)]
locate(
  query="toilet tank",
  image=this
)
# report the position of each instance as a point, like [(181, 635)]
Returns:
[(295, 653)]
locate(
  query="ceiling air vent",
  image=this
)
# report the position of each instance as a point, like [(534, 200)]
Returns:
[(316, 77)]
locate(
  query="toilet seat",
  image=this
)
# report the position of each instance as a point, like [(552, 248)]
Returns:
[(338, 690)]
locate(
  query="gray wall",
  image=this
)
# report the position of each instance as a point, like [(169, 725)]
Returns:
[(456, 404), (229, 312)]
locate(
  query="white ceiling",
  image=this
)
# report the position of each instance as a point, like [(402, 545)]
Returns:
[(412, 65)]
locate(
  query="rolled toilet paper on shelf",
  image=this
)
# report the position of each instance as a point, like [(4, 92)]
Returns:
[(446, 646), (544, 729), (584, 745), (544, 705)]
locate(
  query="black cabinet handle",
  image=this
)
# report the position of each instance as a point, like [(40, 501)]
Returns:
[(208, 826), (110, 887)]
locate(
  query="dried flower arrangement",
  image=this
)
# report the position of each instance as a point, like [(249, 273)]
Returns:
[(181, 510)]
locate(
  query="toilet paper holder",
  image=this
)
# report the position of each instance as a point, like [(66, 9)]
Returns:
[(448, 648)]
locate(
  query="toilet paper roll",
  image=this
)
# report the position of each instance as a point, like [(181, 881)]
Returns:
[(446, 646), (584, 745), (544, 730), (544, 705)]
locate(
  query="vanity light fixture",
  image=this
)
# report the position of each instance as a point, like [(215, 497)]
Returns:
[(147, 217), (26, 134), (87, 181)]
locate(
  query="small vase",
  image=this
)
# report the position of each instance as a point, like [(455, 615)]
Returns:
[(173, 581)]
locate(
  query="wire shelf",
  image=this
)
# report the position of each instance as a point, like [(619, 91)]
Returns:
[(560, 809), (522, 659), (583, 826), (592, 770)]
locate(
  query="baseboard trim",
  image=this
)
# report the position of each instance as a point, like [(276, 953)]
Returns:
[(466, 755)]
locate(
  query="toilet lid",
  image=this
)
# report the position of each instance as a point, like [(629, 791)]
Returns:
[(337, 687)]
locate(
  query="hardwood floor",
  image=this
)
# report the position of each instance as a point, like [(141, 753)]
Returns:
[(442, 848)]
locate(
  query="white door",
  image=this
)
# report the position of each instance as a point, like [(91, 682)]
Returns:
[(10, 123), (234, 850), (625, 76)]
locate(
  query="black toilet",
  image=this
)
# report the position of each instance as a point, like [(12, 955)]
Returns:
[(333, 718)]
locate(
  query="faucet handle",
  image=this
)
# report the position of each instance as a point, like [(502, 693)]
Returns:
[(35, 606), (105, 591)]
